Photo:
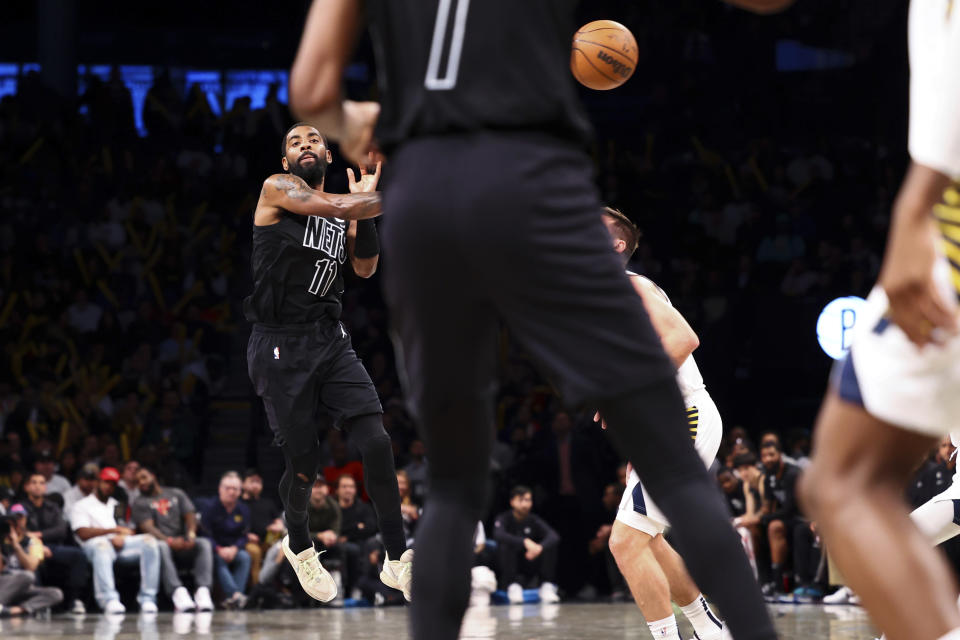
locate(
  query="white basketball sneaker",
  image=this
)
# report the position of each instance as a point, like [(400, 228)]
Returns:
[(398, 574), (314, 579)]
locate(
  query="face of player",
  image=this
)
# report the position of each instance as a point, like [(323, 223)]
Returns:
[(307, 156), (146, 482), (347, 490), (253, 486), (521, 505), (618, 245), (748, 473), (36, 486), (770, 458), (727, 482)]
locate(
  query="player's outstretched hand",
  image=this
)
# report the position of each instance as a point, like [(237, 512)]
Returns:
[(368, 181), (916, 305), (359, 121)]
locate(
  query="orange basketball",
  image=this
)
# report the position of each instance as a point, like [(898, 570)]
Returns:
[(604, 54)]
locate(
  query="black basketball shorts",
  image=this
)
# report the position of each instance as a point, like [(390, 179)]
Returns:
[(309, 378), (498, 227)]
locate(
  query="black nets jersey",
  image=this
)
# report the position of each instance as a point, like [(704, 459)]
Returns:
[(455, 66), (297, 270)]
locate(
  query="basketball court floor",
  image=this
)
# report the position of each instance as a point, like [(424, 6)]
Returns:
[(520, 622)]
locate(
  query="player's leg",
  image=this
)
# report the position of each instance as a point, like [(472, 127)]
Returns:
[(446, 338), (348, 393), (854, 491), (685, 592), (645, 577)]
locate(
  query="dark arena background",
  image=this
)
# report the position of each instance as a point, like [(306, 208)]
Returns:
[(759, 155)]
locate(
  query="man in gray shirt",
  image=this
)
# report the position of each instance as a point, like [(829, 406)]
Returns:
[(167, 514)]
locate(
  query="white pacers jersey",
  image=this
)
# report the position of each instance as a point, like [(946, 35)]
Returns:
[(688, 375), (934, 42), (637, 510)]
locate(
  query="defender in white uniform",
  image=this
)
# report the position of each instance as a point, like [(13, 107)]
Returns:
[(637, 509), (654, 571), (899, 388)]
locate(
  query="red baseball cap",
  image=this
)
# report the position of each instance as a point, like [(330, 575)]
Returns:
[(109, 473)]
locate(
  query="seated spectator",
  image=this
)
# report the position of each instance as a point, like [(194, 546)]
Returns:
[(527, 546), (19, 594), (7, 498), (167, 514), (409, 508), (129, 481), (95, 527), (46, 464), (417, 469), (266, 527), (87, 479), (227, 522), (603, 566), (65, 566), (744, 504), (780, 514), (342, 464), (358, 524)]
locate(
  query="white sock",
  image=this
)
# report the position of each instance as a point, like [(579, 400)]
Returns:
[(705, 623), (953, 635), (666, 629)]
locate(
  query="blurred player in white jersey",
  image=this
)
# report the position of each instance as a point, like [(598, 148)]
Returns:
[(899, 388), (654, 571)]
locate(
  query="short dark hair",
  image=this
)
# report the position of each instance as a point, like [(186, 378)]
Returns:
[(772, 445), (626, 230), (252, 471), (723, 470), (283, 143), (748, 459), (35, 473), (520, 490)]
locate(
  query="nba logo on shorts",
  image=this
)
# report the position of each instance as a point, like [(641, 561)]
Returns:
[(276, 353)]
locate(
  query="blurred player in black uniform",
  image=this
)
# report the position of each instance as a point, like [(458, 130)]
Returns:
[(299, 356), (493, 216)]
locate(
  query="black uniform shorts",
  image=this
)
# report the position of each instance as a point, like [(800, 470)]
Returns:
[(486, 228), (310, 378)]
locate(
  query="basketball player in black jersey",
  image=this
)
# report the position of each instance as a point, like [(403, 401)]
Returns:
[(493, 216), (299, 356)]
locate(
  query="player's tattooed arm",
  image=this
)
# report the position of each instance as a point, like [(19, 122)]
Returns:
[(291, 193)]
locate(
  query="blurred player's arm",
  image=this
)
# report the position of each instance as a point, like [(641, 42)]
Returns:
[(291, 193), (316, 78), (916, 306), (678, 338), (761, 6)]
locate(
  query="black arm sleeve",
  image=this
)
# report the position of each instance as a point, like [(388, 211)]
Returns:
[(367, 244)]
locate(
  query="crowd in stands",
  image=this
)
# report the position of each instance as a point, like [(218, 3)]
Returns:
[(124, 259)]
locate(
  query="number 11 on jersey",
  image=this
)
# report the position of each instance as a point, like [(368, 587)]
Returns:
[(323, 277), (434, 81)]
